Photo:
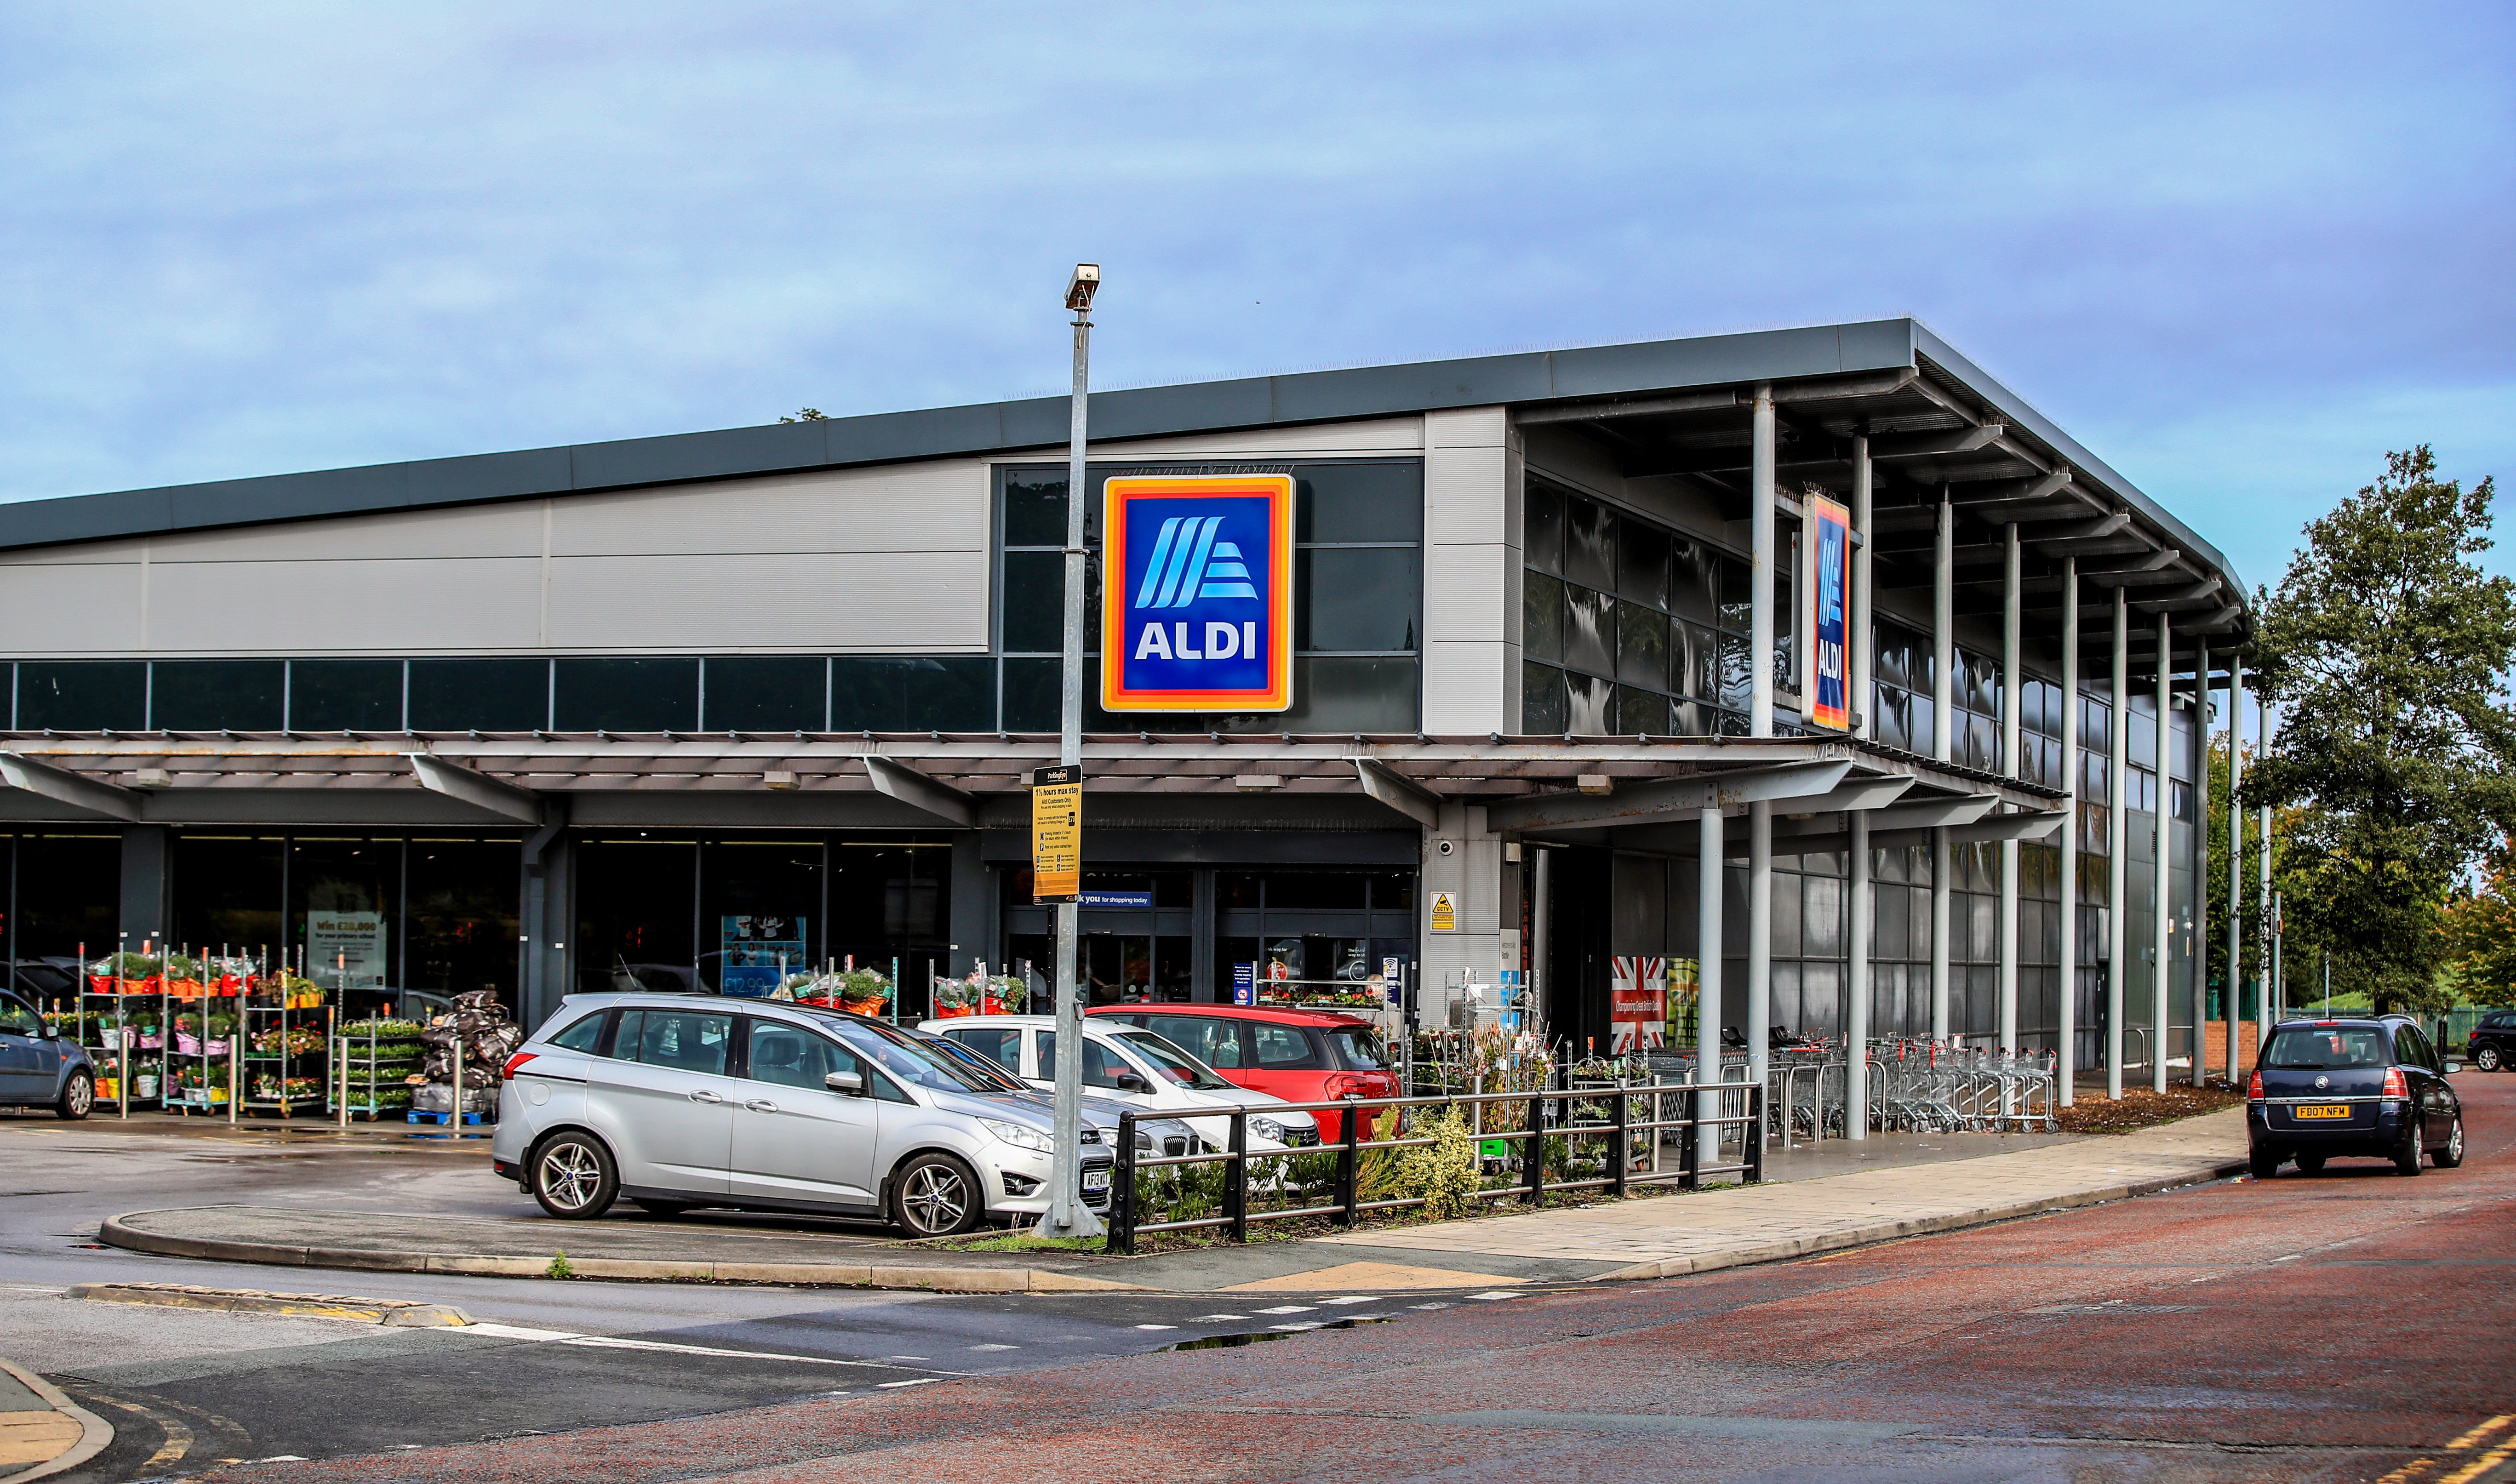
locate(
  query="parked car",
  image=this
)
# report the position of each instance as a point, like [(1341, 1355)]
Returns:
[(2371, 1087), (1154, 1136), (1300, 1055), (2490, 1046), (1135, 1067), (683, 1100), (39, 1067)]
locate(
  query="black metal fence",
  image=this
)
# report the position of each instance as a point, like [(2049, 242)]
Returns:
[(1629, 1151)]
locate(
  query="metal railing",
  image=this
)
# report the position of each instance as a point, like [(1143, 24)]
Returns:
[(1593, 1116)]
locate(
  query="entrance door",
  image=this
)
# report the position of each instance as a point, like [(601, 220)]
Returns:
[(794, 1139), (665, 1101)]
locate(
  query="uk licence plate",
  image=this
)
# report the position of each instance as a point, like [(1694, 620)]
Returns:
[(1096, 1179), (2320, 1110)]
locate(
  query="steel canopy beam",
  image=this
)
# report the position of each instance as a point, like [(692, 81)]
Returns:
[(1864, 794), (1397, 791), (1665, 799), (60, 785), (2034, 826), (478, 790), (898, 780)]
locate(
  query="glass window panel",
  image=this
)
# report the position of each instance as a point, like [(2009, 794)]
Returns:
[(1542, 528), (1785, 938), (1339, 694), (791, 1056), (464, 901), (1589, 544), (686, 1040), (1541, 700), (1738, 600), (1586, 703), (637, 909), (1035, 509), (759, 910), (70, 892), (1695, 582), (1031, 700), (211, 696), (1316, 890), (927, 693), (1393, 891), (484, 695), (1357, 502), (1035, 592), (1731, 669), (1642, 646), (1360, 599), (227, 891), (1690, 719), (1924, 720), (1822, 916), (766, 693), (1541, 621), (83, 696), (345, 695), (1589, 631), (625, 695), (1642, 713), (1642, 564), (1696, 672)]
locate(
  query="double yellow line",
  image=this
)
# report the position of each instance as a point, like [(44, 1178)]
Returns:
[(2467, 1469)]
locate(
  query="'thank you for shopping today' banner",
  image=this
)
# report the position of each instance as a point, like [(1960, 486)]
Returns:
[(1199, 612)]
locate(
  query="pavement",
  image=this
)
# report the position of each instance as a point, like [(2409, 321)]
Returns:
[(43, 1432), (1833, 1196)]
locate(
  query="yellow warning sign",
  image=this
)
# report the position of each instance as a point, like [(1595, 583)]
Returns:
[(1055, 833), (1445, 912)]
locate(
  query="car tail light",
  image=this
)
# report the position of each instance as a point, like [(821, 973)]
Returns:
[(2254, 1089), (515, 1062), (1345, 1084), (2395, 1085)]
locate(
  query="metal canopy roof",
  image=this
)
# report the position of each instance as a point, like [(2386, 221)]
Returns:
[(1673, 407), (1604, 781)]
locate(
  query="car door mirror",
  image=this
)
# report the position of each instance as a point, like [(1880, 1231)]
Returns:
[(52, 1032), (1128, 1081), (851, 1083)]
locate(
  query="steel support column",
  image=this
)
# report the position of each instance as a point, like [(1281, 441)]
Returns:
[(2012, 695), (1943, 741), (1759, 987), (1856, 1118), (2161, 898), (1710, 867), (2198, 966), (1862, 702), (2067, 1033), (1759, 1009), (2263, 1007), (2118, 879)]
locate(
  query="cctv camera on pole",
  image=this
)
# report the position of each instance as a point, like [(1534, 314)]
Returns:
[(1067, 1214)]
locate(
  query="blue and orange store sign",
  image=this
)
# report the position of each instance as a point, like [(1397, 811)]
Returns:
[(1199, 606)]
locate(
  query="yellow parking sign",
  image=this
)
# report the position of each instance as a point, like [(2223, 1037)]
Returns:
[(1055, 833)]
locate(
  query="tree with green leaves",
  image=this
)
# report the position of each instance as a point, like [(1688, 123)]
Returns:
[(2387, 650)]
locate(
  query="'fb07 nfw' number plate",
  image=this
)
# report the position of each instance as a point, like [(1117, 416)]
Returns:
[(1096, 1179), (2320, 1110)]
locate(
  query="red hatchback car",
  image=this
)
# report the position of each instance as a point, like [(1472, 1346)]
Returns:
[(1300, 1055)]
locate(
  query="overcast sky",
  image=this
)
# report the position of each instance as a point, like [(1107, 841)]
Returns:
[(2238, 252)]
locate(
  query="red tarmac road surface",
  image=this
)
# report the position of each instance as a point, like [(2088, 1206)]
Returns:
[(2354, 1326)]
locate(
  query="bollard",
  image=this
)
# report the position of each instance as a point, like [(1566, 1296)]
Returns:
[(1347, 1161), (1532, 1153), (1690, 1155), (1755, 1171), (1122, 1189), (1621, 1144), (1236, 1179)]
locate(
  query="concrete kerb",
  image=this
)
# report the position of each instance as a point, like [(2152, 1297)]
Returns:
[(95, 1433), (942, 1278), (1892, 1231), (394, 1313)]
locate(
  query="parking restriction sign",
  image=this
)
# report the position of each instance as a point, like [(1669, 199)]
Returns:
[(1057, 833)]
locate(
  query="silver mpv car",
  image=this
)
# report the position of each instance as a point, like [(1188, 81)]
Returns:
[(683, 1100)]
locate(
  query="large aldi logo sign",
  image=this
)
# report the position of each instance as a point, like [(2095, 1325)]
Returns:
[(1199, 607)]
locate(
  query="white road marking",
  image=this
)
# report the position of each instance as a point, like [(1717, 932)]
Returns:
[(1428, 1306), (1297, 1328), (1353, 1298), (1491, 1297), (1290, 1308), (995, 1347), (1158, 1327), (615, 1342), (923, 1380)]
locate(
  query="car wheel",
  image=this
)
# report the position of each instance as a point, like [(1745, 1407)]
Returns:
[(2407, 1159), (2262, 1164), (78, 1097), (2488, 1059), (574, 1179), (662, 1210), (935, 1195), (2452, 1155), (2310, 1164)]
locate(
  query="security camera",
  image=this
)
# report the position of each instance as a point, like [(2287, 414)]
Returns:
[(1446, 847), (1081, 287)]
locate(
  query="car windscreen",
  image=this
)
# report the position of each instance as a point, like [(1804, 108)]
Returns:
[(1172, 1063), (1358, 1048), (975, 1063), (909, 1060), (2325, 1048)]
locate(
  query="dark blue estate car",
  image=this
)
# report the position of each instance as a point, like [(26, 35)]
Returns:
[(2371, 1087), (39, 1069)]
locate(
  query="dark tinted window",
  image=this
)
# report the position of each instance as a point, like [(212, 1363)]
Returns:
[(583, 1036), (1357, 1049), (1589, 544), (213, 695), (1318, 890), (102, 695), (1360, 597), (625, 695), (689, 1041), (1359, 502), (2322, 1048), (17, 1020), (1541, 699), (1285, 1048), (767, 694), (1034, 590), (1211, 1039), (997, 1044), (345, 695), (1542, 528), (925, 694), (483, 695)]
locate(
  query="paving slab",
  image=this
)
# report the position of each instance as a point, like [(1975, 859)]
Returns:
[(1834, 1196), (43, 1432)]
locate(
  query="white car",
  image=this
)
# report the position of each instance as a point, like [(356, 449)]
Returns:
[(1135, 1067)]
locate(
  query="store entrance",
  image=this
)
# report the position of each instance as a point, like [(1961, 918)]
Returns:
[(1138, 940)]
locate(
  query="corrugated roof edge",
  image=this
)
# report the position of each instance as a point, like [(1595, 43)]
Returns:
[(1314, 396)]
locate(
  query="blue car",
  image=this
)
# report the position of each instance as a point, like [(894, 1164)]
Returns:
[(2369, 1086), (37, 1067)]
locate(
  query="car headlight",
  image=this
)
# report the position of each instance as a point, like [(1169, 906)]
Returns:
[(1020, 1135), (1267, 1127)]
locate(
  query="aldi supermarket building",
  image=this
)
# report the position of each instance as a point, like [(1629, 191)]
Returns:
[(671, 707)]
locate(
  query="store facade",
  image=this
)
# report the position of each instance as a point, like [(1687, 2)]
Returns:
[(686, 710)]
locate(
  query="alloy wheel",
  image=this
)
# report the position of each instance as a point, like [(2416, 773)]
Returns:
[(80, 1099), (2488, 1059), (936, 1198), (570, 1175)]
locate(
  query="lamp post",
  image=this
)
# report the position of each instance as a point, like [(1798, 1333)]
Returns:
[(1067, 1214)]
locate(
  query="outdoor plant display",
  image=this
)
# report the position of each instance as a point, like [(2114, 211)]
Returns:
[(980, 995)]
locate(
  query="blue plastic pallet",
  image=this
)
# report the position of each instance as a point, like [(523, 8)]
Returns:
[(468, 1119)]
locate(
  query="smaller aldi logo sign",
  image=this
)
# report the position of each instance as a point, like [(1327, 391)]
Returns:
[(1822, 615), (1199, 612)]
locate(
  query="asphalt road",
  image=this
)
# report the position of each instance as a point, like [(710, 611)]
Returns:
[(2350, 1326)]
